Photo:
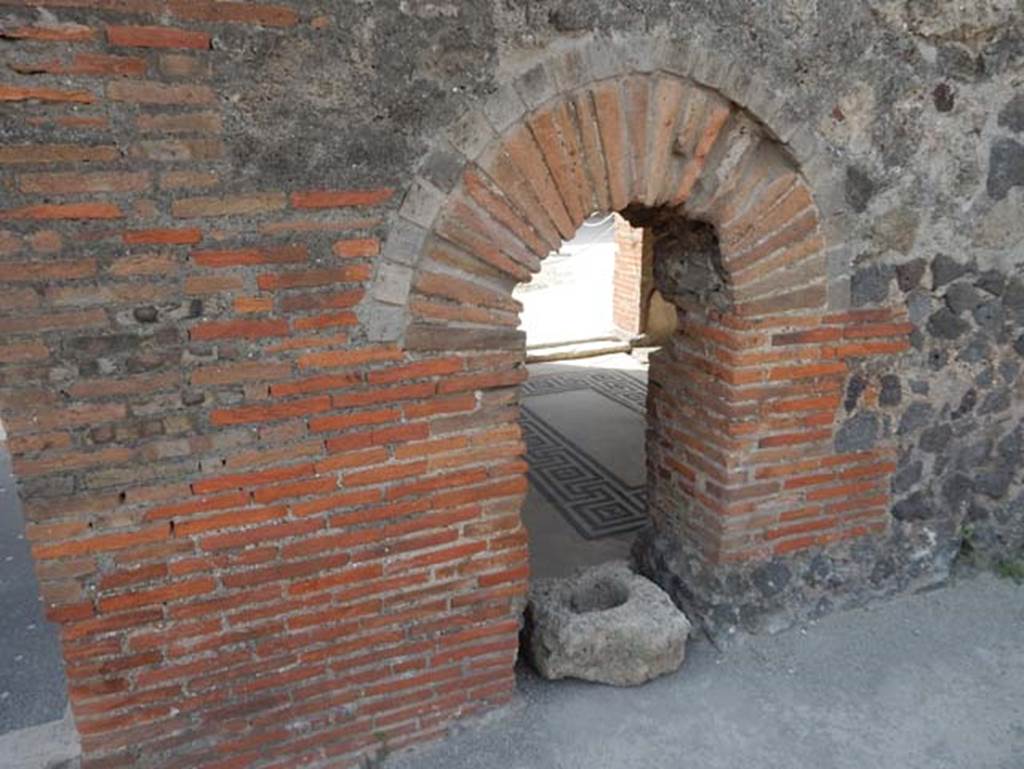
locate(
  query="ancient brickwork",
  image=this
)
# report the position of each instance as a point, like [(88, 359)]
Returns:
[(628, 286), (746, 398), (263, 538)]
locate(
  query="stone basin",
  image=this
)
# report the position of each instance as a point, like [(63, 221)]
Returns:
[(605, 624)]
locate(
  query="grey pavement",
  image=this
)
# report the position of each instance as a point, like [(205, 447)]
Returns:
[(34, 728), (928, 681)]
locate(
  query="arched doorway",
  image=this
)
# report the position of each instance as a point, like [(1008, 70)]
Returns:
[(743, 465)]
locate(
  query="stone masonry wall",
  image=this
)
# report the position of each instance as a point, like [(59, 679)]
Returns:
[(277, 522)]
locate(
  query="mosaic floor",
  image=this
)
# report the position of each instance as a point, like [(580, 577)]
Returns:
[(583, 422)]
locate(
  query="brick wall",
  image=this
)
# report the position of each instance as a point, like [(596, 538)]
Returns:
[(746, 414), (628, 284), (266, 433), (746, 397), (266, 541)]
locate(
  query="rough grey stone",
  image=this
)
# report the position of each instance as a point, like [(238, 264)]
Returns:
[(1013, 295), (870, 285), (1012, 114), (536, 85), (504, 107), (573, 16), (962, 297), (974, 351), (443, 167), (945, 325), (892, 391), (975, 455), (917, 507), (393, 283), (906, 477), (995, 482), (967, 404), (383, 323), (404, 243), (854, 388), (1005, 168), (858, 433), (1011, 446), (192, 397), (820, 571), (919, 306), (771, 578), (421, 203), (909, 274), (915, 417), (936, 439), (148, 314), (471, 134), (943, 97), (859, 189), (945, 270), (606, 624), (896, 229), (937, 358), (990, 315), (957, 489), (1018, 345), (992, 282)]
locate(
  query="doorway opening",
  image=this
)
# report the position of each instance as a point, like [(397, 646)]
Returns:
[(583, 406), (742, 408)]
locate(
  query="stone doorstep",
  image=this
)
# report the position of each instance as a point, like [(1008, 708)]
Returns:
[(586, 348)]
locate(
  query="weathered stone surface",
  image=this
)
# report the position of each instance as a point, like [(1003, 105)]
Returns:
[(1012, 114), (870, 284), (917, 507), (891, 392), (906, 477), (858, 433), (859, 189), (962, 297), (606, 624), (909, 274), (992, 282), (946, 269), (944, 324), (1005, 167), (936, 439)]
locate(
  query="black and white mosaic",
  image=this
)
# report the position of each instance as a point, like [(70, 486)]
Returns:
[(621, 387), (595, 501)]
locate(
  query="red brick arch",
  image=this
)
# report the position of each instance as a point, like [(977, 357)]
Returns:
[(744, 401)]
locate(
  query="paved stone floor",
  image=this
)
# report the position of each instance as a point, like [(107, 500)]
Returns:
[(929, 681)]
